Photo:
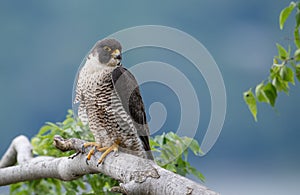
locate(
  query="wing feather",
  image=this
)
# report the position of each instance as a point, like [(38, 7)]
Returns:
[(128, 90)]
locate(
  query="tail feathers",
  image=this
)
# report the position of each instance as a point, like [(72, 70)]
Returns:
[(149, 155)]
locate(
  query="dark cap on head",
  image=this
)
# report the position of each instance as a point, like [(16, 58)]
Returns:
[(107, 49)]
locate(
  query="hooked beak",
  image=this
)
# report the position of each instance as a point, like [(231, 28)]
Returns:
[(117, 54)]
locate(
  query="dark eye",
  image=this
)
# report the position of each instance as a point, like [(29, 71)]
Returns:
[(106, 48)]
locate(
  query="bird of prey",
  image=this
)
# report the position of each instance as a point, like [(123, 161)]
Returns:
[(110, 102)]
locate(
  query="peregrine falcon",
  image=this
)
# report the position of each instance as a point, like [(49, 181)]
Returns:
[(109, 101)]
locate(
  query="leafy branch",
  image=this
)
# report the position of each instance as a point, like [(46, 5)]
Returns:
[(172, 155), (284, 69)]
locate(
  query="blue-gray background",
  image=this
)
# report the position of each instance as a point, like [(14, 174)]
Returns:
[(42, 44)]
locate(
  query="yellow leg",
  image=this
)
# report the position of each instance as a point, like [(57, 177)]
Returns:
[(92, 151), (108, 150), (88, 157), (88, 144), (97, 147)]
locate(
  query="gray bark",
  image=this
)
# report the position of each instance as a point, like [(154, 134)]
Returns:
[(137, 175)]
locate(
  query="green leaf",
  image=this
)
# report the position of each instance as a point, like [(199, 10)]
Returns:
[(277, 81), (280, 85), (297, 55), (181, 168), (70, 193), (259, 93), (297, 17), (297, 38), (15, 187), (171, 167), (287, 74), (274, 72), (153, 142), (275, 61), (266, 93), (282, 53), (194, 146), (271, 93), (251, 102), (195, 172), (284, 14), (44, 130), (297, 70), (57, 184)]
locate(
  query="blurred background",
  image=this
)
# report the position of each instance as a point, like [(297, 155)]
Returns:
[(42, 44)]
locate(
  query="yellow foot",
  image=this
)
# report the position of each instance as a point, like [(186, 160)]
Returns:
[(107, 150), (92, 151), (97, 147), (88, 144)]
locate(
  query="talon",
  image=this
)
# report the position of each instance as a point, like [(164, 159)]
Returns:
[(83, 148), (88, 157), (92, 151), (99, 163), (107, 150), (88, 144), (74, 155), (97, 147)]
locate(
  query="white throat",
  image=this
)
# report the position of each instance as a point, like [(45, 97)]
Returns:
[(93, 65)]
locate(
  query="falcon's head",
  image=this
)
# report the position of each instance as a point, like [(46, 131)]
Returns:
[(108, 52)]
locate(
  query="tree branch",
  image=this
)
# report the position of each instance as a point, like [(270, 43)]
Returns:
[(137, 175)]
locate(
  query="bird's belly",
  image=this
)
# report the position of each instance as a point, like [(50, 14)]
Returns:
[(108, 119)]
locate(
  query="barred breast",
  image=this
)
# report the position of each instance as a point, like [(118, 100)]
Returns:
[(107, 118)]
